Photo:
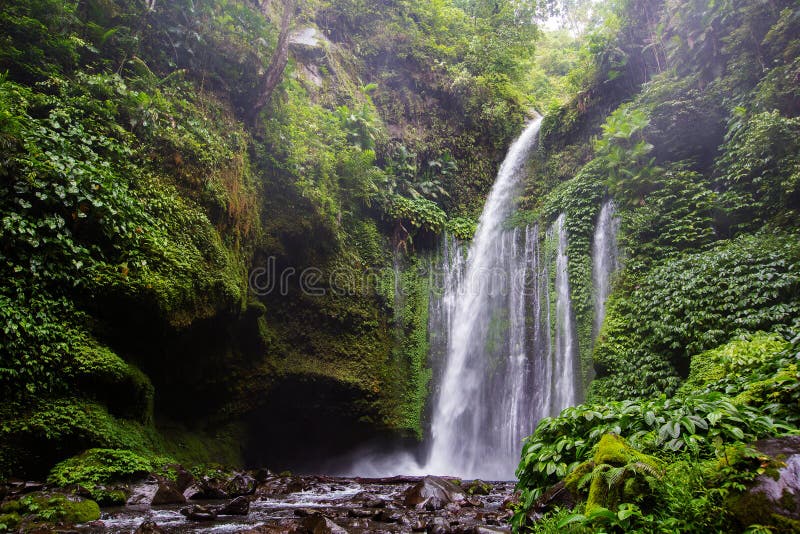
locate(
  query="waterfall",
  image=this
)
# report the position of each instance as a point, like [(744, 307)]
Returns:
[(605, 260), (502, 340), (472, 433), (565, 379)]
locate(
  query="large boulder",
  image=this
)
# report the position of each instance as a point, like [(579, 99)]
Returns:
[(774, 497), (155, 491), (433, 493)]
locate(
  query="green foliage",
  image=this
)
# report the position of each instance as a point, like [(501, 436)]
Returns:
[(411, 300), (419, 213), (760, 168), (690, 304), (96, 468), (462, 228), (697, 423), (624, 153)]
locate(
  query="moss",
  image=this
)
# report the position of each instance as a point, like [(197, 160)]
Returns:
[(737, 357), (10, 507), (616, 473), (614, 450), (97, 468), (42, 507), (9, 521), (572, 481)]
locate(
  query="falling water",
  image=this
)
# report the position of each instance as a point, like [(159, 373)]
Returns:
[(471, 431), (502, 340), (605, 260), (565, 379)]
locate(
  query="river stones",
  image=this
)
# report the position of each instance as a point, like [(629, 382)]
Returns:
[(433, 493), (155, 491), (318, 524), (238, 506)]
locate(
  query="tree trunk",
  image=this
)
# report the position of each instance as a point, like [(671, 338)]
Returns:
[(280, 57)]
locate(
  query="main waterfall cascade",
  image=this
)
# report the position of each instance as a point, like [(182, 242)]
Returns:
[(502, 336)]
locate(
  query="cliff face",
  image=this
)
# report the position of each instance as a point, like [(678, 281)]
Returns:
[(139, 200), (686, 125)]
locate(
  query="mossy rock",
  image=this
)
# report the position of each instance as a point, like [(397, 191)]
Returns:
[(63, 509), (9, 521), (616, 473), (477, 487)]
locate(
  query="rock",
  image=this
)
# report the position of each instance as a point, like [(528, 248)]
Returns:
[(183, 478), (167, 493), (489, 530), (360, 512), (221, 485), (478, 487), (197, 512), (318, 524), (388, 516), (283, 485), (149, 527), (557, 496), (305, 512), (238, 506), (432, 493), (438, 525), (241, 484), (368, 500), (155, 491), (475, 502), (774, 497)]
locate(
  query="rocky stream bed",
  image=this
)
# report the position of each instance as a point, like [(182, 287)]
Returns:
[(255, 503)]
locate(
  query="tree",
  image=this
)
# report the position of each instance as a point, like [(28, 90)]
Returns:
[(280, 57)]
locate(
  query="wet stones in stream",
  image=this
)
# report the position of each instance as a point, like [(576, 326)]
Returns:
[(325, 505)]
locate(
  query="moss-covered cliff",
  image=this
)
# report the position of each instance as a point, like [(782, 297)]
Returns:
[(141, 202)]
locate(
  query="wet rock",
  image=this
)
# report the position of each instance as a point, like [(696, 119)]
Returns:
[(438, 525), (318, 524), (154, 491), (167, 493), (478, 487), (305, 512), (452, 507), (197, 512), (238, 506), (489, 530), (283, 485), (557, 496), (149, 527), (241, 484), (418, 526), (183, 478), (368, 500), (473, 501), (221, 485), (388, 516), (360, 512), (774, 497), (432, 493)]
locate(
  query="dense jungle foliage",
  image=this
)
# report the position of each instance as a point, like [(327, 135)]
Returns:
[(154, 182), (688, 119)]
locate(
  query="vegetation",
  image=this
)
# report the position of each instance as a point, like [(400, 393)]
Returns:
[(156, 156), (697, 356)]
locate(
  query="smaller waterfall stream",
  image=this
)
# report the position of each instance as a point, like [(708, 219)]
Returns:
[(605, 260), (565, 380)]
